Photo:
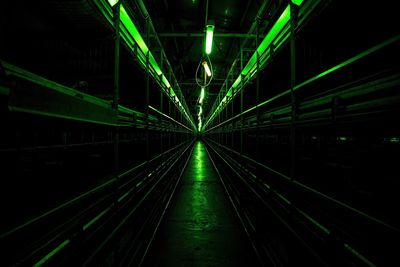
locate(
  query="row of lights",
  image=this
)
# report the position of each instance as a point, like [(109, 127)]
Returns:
[(207, 69)]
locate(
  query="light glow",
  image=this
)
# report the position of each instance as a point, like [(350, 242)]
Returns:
[(209, 38), (112, 2), (206, 68), (201, 95), (297, 2), (199, 124)]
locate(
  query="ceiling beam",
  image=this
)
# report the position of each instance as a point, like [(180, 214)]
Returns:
[(216, 34)]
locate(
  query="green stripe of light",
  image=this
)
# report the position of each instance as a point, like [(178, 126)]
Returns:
[(297, 2), (127, 22), (357, 254), (101, 214), (202, 93), (275, 30), (113, 2), (51, 254), (199, 128), (209, 38)]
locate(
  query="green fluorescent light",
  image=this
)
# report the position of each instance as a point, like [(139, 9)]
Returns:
[(165, 81), (112, 2), (297, 2), (91, 222), (130, 26), (201, 95), (275, 30), (236, 83), (209, 38), (200, 111), (154, 64), (206, 68), (51, 254), (127, 22), (394, 140), (132, 36)]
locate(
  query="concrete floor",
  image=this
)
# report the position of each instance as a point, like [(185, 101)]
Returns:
[(200, 228)]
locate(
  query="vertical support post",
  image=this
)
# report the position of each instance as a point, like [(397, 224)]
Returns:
[(241, 102), (169, 128), (257, 150), (116, 82), (232, 137), (115, 103), (147, 92), (161, 121), (180, 132), (175, 126), (226, 127), (293, 19), (219, 121), (161, 103)]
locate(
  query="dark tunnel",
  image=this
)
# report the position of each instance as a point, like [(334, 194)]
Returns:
[(199, 133)]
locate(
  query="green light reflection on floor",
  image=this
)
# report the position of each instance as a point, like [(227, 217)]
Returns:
[(203, 217), (199, 158)]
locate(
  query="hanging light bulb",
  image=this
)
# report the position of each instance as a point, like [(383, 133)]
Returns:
[(206, 68)]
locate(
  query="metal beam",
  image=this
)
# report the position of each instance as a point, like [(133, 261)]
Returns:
[(199, 34)]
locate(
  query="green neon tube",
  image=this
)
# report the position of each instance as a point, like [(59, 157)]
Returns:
[(200, 111), (52, 253), (133, 32), (165, 81), (201, 95), (275, 30), (112, 2), (209, 38), (297, 2), (127, 22)]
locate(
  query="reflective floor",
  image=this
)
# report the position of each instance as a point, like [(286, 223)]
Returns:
[(200, 228)]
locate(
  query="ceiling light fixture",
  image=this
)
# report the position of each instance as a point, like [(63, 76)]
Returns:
[(209, 36)]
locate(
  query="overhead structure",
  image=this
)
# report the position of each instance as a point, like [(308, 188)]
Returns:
[(275, 38), (132, 37)]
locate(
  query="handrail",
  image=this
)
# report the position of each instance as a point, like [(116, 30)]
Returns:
[(75, 200), (312, 190), (314, 78), (168, 117)]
